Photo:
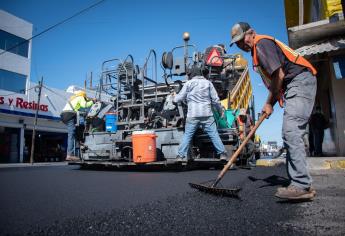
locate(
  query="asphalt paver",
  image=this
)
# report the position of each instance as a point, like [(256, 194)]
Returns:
[(69, 201)]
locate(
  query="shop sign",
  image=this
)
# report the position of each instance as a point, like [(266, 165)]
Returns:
[(22, 104)]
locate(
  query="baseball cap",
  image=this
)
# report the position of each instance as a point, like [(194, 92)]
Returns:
[(238, 31)]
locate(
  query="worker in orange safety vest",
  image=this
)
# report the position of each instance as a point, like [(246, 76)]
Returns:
[(290, 80)]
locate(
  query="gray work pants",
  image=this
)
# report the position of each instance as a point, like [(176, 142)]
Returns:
[(299, 101)]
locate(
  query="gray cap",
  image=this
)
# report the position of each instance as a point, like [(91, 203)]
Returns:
[(238, 31)]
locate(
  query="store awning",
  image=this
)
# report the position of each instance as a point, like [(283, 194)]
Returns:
[(321, 47)]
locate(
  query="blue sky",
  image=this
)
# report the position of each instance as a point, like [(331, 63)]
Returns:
[(115, 29)]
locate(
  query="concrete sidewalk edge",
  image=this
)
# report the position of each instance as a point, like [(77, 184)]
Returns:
[(38, 164), (326, 163), (314, 163), (270, 162)]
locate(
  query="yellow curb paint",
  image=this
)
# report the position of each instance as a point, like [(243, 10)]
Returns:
[(340, 164), (268, 162), (326, 165)]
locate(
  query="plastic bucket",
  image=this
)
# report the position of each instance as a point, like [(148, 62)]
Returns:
[(111, 122), (144, 146)]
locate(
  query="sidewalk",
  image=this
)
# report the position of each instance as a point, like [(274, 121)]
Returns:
[(38, 164), (326, 163), (314, 163)]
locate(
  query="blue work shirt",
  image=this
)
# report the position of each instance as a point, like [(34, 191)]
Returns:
[(200, 95)]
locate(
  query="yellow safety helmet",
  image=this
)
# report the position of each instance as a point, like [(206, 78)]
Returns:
[(80, 93)]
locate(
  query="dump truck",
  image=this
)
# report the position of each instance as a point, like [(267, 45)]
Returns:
[(141, 126)]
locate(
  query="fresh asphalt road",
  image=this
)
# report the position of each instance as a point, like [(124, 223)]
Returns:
[(65, 200)]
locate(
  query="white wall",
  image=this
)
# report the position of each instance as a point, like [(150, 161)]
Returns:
[(20, 28)]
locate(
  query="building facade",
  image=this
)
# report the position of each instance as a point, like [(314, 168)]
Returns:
[(316, 30), (19, 100), (15, 60)]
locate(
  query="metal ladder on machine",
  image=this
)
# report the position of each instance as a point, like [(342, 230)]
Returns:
[(126, 87), (143, 78), (116, 80)]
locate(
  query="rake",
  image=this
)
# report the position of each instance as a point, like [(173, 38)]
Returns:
[(229, 192)]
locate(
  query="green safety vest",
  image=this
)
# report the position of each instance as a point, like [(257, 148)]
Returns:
[(77, 103)]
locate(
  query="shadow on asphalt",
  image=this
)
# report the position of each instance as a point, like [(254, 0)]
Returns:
[(272, 180), (294, 201)]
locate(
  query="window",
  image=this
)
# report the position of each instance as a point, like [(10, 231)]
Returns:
[(339, 67), (8, 40), (11, 81)]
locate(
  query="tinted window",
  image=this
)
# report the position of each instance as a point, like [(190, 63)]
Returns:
[(11, 81), (8, 40)]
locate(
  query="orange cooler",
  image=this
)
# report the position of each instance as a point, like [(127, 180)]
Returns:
[(144, 146)]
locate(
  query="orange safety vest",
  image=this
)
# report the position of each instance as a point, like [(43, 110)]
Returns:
[(290, 54)]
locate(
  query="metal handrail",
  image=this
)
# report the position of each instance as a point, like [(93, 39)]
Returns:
[(102, 75), (152, 52), (238, 84)]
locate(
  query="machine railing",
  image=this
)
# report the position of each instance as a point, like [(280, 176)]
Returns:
[(242, 92)]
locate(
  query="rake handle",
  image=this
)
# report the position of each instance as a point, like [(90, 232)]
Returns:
[(243, 144)]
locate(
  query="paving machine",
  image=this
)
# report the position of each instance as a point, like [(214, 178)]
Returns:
[(140, 103)]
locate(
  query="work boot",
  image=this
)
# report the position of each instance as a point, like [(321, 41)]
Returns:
[(295, 193), (224, 157), (311, 189), (72, 158)]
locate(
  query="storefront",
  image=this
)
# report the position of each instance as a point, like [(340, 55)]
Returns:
[(17, 118)]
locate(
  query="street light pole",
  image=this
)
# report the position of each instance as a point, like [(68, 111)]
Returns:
[(35, 123)]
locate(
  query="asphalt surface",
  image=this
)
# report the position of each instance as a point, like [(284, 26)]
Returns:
[(65, 200)]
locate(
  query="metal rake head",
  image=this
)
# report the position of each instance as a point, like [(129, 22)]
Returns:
[(233, 192)]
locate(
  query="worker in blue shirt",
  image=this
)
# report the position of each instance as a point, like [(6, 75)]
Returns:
[(200, 95)]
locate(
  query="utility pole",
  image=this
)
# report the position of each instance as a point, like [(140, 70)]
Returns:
[(35, 123)]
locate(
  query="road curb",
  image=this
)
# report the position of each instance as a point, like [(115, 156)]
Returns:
[(38, 164), (314, 163), (339, 164), (326, 163), (270, 162)]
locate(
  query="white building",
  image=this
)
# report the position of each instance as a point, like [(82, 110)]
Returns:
[(18, 100), (14, 64)]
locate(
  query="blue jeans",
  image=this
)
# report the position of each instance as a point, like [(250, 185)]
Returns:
[(299, 102), (208, 124), (70, 137)]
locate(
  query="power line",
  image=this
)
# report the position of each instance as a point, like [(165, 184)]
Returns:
[(52, 27)]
